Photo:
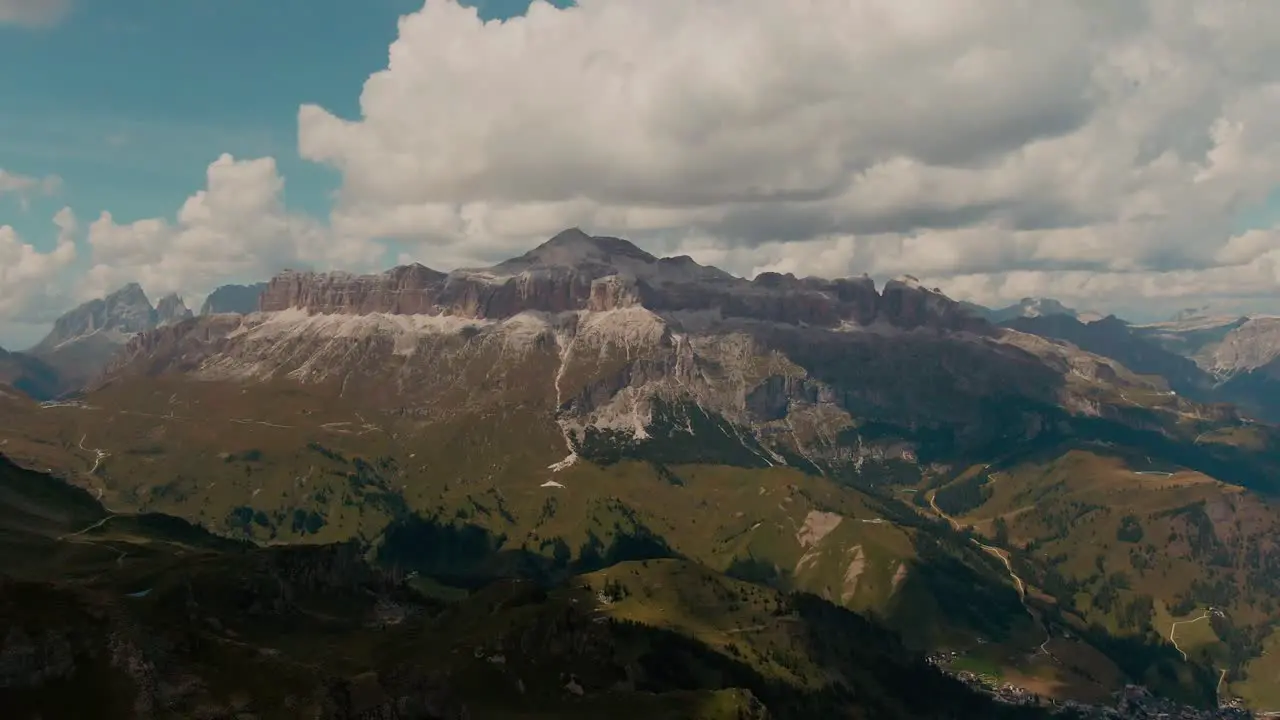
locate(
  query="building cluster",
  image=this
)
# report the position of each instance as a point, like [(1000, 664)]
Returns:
[(1137, 703), (1134, 702)]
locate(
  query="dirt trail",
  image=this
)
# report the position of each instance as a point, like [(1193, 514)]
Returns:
[(1173, 629), (94, 526)]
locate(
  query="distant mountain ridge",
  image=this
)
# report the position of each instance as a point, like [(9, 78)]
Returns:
[(85, 339), (238, 299), (28, 374), (1029, 307), (1113, 338)]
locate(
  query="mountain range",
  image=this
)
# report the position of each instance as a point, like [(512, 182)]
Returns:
[(1061, 502)]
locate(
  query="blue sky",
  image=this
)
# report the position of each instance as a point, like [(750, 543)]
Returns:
[(128, 101)]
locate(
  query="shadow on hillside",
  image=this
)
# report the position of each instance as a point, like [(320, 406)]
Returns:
[(470, 556), (872, 670), (1148, 448)]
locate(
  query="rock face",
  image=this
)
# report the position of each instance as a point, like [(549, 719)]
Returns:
[(238, 299)]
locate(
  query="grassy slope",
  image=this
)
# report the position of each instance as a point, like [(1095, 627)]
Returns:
[(358, 478), (1125, 533), (352, 472), (275, 632)]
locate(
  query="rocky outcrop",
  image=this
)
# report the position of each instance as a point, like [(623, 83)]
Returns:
[(407, 290)]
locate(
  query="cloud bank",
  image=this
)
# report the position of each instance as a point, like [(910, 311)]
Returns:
[(1098, 151)]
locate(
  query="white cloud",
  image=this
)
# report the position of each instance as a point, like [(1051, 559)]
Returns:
[(1101, 151), (25, 186), (236, 228), (29, 284), (33, 13), (1000, 147)]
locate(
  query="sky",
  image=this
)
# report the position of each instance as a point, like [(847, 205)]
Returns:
[(1119, 155)]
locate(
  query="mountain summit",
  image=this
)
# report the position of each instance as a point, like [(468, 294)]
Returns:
[(123, 312), (574, 249), (171, 309)]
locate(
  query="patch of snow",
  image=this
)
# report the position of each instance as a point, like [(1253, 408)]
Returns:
[(551, 484)]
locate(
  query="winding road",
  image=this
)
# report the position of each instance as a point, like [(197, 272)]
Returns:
[(1017, 581)]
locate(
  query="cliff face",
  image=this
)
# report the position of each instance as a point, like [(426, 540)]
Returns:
[(407, 290), (573, 271)]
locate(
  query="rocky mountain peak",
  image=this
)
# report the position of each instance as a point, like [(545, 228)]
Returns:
[(171, 309), (575, 250), (129, 292), (123, 312), (128, 309)]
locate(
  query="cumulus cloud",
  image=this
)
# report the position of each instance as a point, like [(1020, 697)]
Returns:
[(33, 13), (25, 186), (29, 279), (998, 147), (236, 228), (1099, 151)]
